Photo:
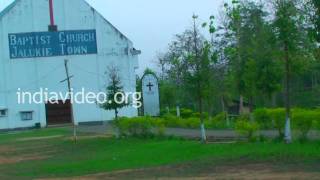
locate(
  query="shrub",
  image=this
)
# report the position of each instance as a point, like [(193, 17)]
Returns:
[(172, 111), (220, 117), (197, 115), (172, 121), (247, 128), (159, 126), (278, 117), (139, 126), (317, 119), (191, 123), (163, 112), (243, 117), (186, 113), (218, 122), (176, 122), (303, 121), (263, 118)]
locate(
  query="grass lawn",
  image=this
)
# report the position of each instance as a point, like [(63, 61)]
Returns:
[(25, 155)]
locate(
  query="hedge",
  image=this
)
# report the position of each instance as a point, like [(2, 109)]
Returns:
[(140, 126), (302, 120), (184, 113)]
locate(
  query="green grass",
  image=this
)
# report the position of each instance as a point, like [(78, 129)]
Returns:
[(63, 158)]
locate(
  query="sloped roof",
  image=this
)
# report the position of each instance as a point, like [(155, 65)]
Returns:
[(107, 21), (8, 8)]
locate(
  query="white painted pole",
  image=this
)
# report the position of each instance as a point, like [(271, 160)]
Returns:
[(178, 111)]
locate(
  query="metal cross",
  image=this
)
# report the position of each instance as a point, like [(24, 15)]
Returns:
[(150, 86)]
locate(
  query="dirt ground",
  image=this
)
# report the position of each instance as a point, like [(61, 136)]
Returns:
[(265, 171), (16, 159), (6, 158)]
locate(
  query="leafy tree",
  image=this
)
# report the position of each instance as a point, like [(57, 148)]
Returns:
[(114, 92), (139, 89), (189, 70), (291, 43), (233, 34), (174, 63), (250, 53), (312, 13), (198, 73), (149, 71), (167, 93), (255, 52), (312, 9), (262, 75)]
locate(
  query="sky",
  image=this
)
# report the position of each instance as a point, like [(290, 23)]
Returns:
[(151, 24)]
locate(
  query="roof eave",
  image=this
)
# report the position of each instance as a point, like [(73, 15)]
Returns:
[(8, 8)]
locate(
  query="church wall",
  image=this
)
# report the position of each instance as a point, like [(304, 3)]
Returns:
[(88, 70)]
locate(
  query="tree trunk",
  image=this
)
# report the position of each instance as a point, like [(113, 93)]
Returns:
[(168, 110), (117, 133), (223, 106), (116, 114), (241, 106), (202, 127), (178, 111), (287, 131), (199, 85), (251, 108), (203, 133)]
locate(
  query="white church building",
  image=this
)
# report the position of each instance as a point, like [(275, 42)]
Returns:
[(36, 37)]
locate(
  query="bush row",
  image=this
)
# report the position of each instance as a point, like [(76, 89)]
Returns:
[(139, 126), (302, 120), (184, 113), (217, 122), (149, 126)]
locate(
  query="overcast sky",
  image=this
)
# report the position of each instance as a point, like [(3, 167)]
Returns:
[(151, 24)]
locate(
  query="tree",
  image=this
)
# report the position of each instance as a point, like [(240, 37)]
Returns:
[(188, 68), (115, 92), (262, 74), (314, 13), (149, 71), (290, 38), (218, 90), (167, 94), (198, 73), (311, 9), (249, 45), (235, 36), (175, 64)]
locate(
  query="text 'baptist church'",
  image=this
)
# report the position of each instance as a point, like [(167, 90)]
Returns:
[(47, 44)]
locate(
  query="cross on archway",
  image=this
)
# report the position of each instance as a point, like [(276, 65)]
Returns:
[(52, 26), (150, 85)]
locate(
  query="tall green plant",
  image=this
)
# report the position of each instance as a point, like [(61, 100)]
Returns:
[(114, 92), (290, 40)]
